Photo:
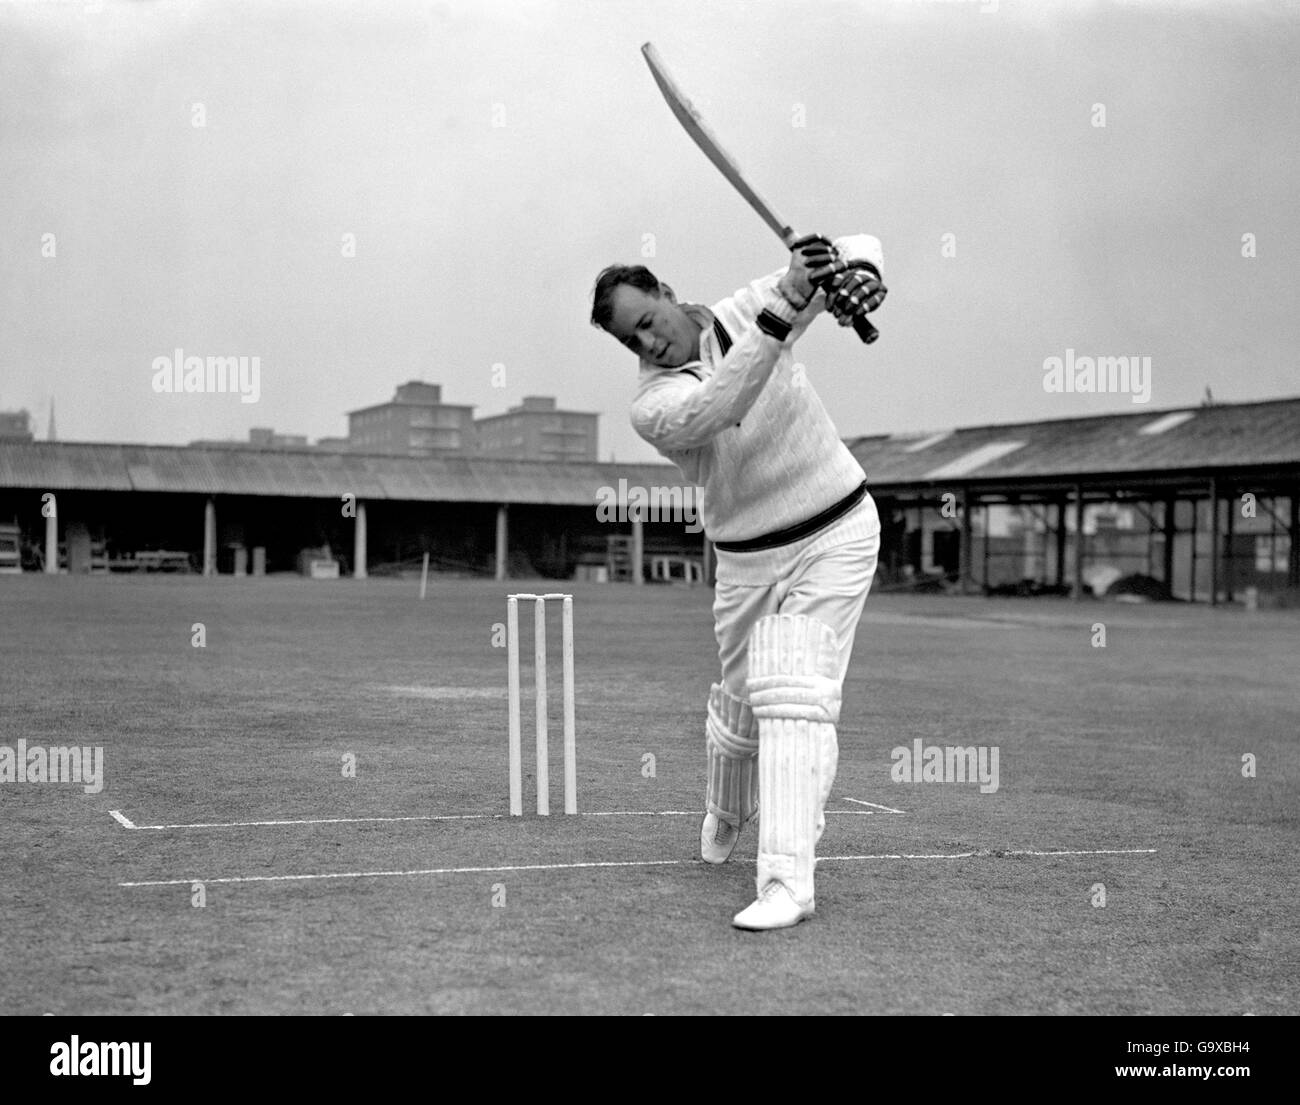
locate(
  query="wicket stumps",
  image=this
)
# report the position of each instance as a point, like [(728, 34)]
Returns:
[(539, 681)]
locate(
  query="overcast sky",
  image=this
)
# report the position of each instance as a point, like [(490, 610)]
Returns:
[(490, 158)]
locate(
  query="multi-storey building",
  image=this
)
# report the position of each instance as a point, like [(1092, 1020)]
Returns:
[(414, 423), (16, 425), (537, 430)]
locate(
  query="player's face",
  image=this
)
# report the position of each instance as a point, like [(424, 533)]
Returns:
[(654, 327)]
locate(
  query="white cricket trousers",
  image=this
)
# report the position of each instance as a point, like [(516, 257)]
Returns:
[(825, 576)]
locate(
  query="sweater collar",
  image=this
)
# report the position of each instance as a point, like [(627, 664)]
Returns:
[(703, 317)]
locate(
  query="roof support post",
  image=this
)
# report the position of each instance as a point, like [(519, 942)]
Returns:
[(51, 506), (1076, 592), (986, 548), (638, 548), (503, 542), (1214, 541), (359, 543), (964, 563), (210, 537), (1171, 532), (1293, 561), (1228, 562), (1060, 543)]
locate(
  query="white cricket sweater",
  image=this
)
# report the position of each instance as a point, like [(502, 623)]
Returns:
[(752, 433)]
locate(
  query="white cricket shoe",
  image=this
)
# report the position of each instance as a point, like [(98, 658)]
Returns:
[(717, 839), (774, 908)]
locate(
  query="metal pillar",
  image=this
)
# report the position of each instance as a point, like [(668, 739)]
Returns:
[(52, 537), (986, 547), (964, 561), (1214, 542), (210, 537), (1171, 532), (1060, 543), (1229, 563), (1293, 561), (1151, 545), (359, 544), (503, 542), (638, 550), (1077, 587)]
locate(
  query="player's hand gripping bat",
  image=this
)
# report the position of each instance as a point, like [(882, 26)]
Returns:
[(705, 139)]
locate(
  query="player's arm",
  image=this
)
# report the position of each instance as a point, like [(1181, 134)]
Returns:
[(797, 287), (679, 412)]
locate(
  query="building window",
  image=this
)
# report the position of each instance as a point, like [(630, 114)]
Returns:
[(1272, 552)]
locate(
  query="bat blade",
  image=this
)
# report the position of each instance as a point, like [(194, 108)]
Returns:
[(695, 126), (702, 136)]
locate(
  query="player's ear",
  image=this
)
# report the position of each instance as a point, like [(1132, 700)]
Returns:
[(667, 292)]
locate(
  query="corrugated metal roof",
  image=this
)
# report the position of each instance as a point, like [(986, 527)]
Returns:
[(1221, 437), (1225, 436), (58, 466), (979, 457), (53, 466)]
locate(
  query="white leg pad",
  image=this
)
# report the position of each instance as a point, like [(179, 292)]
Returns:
[(731, 741), (795, 697), (829, 753)]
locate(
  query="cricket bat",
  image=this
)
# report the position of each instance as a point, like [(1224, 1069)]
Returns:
[(695, 126)]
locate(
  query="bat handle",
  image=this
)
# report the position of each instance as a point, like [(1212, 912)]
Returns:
[(865, 330)]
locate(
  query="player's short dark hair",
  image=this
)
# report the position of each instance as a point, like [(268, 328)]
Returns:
[(638, 276)]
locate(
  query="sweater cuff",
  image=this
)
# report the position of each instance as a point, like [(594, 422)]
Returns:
[(776, 319), (782, 308)]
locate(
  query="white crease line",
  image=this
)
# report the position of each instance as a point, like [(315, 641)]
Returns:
[(698, 813), (598, 864), (429, 817), (860, 802), (321, 821), (998, 853), (427, 871), (641, 813), (1091, 852)]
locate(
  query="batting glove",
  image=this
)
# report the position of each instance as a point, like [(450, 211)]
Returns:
[(854, 292), (809, 254)]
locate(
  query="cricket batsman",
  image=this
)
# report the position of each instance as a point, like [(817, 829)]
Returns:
[(796, 533)]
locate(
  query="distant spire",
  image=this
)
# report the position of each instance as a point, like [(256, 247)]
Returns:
[(52, 435), (1208, 401)]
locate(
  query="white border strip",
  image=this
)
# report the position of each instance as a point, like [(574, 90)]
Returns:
[(606, 864), (117, 816), (860, 802)]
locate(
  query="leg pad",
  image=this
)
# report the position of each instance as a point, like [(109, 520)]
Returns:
[(731, 741), (794, 692)]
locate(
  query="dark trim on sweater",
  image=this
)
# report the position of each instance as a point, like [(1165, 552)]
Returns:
[(800, 530)]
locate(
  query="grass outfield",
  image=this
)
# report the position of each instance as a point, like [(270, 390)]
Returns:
[(1116, 751)]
